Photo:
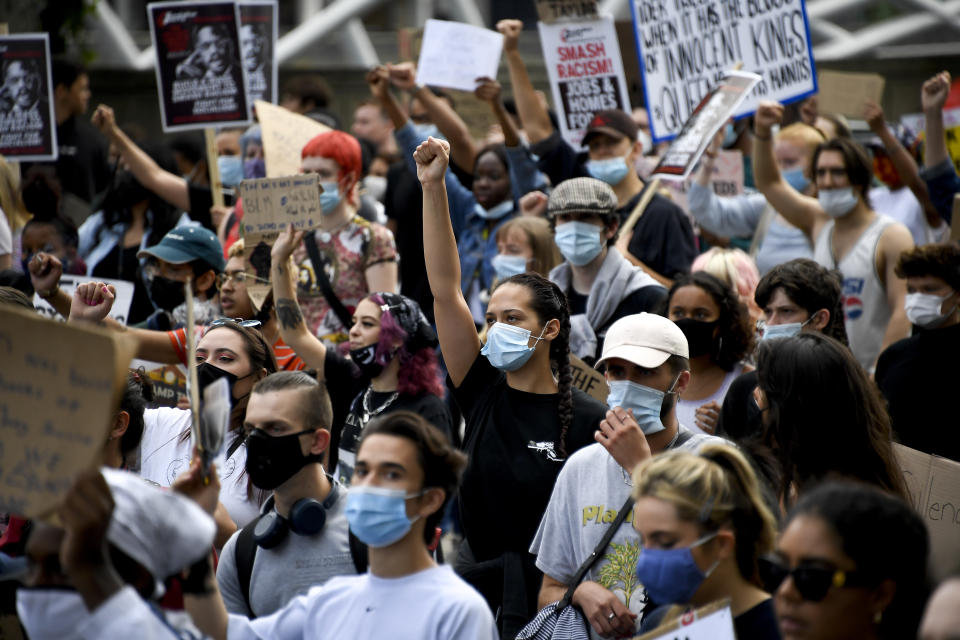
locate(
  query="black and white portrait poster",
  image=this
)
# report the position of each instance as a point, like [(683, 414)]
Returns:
[(200, 78), (258, 41), (27, 126)]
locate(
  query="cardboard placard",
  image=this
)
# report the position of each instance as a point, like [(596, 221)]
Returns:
[(712, 622), (454, 55), (258, 43), (284, 133), (698, 131), (169, 381), (27, 126), (271, 205), (200, 78), (121, 304), (551, 11), (59, 389), (586, 72), (588, 379), (685, 48), (934, 486), (845, 93)]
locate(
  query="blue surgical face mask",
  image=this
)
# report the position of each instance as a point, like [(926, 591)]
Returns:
[(330, 197), (788, 330), (428, 129), (837, 202), (730, 135), (378, 516), (646, 403), (507, 346), (507, 266), (579, 242), (796, 179), (495, 212), (671, 576), (610, 170), (254, 168), (231, 170)]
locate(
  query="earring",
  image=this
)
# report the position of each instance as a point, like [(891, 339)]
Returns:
[(877, 617)]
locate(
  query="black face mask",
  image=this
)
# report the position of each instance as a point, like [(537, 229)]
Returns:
[(166, 294), (699, 335), (271, 461), (366, 360), (207, 374)]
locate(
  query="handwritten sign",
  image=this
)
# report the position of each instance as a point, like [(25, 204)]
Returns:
[(586, 72), (697, 132), (934, 486), (685, 48), (270, 205), (121, 305), (713, 622), (588, 379), (284, 135), (726, 178), (59, 389), (551, 11), (845, 93), (454, 55)]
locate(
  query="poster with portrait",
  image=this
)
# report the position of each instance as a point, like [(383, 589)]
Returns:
[(201, 81), (27, 126), (258, 43)]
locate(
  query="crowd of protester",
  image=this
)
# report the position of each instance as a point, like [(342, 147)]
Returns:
[(409, 453)]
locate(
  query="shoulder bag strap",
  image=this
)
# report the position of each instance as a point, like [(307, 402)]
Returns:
[(358, 553), (320, 273), (596, 553), (244, 554)]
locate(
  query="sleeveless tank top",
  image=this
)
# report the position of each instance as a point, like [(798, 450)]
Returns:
[(864, 297)]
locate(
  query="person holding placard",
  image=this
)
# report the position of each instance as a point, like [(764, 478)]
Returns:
[(846, 233)]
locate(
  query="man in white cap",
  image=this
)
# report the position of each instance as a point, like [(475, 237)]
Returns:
[(647, 368)]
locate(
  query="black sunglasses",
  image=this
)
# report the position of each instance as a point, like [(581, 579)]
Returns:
[(812, 582)]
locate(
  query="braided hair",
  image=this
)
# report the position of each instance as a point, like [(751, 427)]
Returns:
[(549, 302)]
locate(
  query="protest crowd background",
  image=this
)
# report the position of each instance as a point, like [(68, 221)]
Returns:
[(479, 319)]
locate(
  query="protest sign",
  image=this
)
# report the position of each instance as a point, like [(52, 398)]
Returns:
[(712, 622), (707, 118), (685, 48), (846, 93), (27, 125), (588, 379), (284, 135), (59, 391), (258, 42), (726, 177), (586, 72), (169, 381), (271, 205), (121, 304), (200, 79), (454, 55), (558, 10), (934, 486)]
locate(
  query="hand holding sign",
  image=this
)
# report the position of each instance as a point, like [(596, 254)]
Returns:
[(285, 244), (487, 90), (935, 91), (432, 158)]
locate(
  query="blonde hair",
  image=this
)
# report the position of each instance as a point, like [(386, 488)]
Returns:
[(715, 488), (545, 253), (236, 249), (802, 134), (10, 199)]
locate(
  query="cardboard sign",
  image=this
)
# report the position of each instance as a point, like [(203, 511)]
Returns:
[(551, 11), (454, 55), (271, 205), (27, 126), (697, 132), (712, 622), (284, 134), (685, 48), (258, 42), (586, 72), (934, 486), (59, 389), (588, 379), (121, 304), (846, 93), (169, 381), (200, 78)]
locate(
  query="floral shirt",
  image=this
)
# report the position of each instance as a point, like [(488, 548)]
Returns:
[(348, 253)]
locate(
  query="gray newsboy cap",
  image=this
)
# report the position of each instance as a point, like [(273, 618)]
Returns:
[(582, 195)]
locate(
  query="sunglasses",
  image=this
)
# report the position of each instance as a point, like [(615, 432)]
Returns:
[(812, 581), (219, 322)]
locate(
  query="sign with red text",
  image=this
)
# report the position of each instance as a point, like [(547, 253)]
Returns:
[(586, 72), (27, 126), (686, 48)]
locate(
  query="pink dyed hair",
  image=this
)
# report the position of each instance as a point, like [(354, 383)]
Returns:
[(419, 372)]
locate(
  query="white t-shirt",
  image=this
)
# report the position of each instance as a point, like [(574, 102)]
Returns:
[(687, 409), (434, 604), (903, 206), (164, 455)]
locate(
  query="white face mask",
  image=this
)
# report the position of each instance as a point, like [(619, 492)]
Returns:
[(837, 202), (376, 186), (924, 309), (51, 614)]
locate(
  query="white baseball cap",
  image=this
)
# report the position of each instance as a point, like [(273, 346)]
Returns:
[(645, 339)]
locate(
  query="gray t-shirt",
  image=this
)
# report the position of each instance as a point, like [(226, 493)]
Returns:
[(292, 567), (589, 491)]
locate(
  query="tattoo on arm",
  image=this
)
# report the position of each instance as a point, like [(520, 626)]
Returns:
[(288, 313)]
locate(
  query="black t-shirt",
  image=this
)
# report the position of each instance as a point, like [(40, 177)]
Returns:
[(663, 237), (740, 417), (82, 165), (512, 442), (645, 299), (201, 199), (758, 623), (913, 375), (403, 203)]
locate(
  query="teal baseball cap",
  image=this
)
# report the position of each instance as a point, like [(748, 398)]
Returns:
[(187, 243)]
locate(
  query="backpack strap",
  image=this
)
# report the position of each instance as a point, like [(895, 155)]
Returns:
[(244, 554), (320, 273), (358, 553)]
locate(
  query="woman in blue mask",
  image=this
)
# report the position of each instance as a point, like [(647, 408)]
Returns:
[(703, 526), (748, 215), (525, 244), (522, 422)]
